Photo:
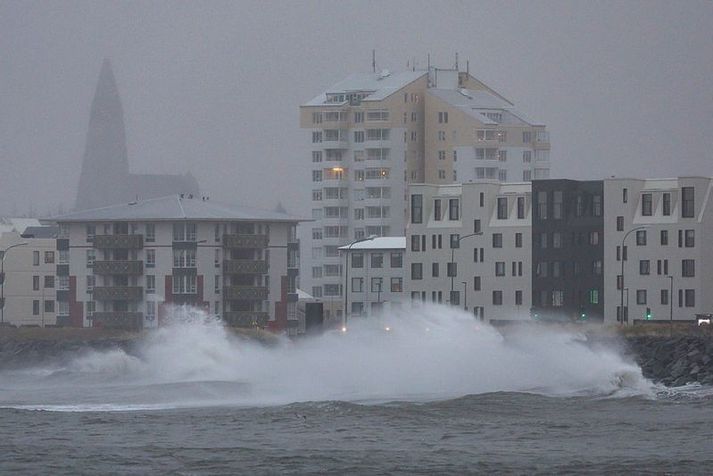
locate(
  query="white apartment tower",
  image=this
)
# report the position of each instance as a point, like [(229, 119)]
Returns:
[(372, 134)]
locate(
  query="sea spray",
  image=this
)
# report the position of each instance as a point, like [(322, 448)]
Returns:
[(427, 353)]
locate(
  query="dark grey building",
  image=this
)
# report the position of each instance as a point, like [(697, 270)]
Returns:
[(105, 178), (568, 250)]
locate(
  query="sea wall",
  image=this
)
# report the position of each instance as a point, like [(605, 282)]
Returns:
[(674, 361)]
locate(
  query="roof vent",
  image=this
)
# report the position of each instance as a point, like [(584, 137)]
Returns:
[(385, 73)]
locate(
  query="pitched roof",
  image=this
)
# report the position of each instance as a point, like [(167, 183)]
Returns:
[(380, 243), (381, 85), (475, 103), (174, 207)]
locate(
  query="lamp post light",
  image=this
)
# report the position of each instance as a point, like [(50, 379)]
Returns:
[(457, 242), (347, 249), (2, 280), (623, 256)]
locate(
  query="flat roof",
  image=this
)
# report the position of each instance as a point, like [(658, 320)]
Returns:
[(175, 207)]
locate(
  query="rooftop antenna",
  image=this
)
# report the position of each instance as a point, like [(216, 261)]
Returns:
[(467, 67), (373, 61), (429, 61), (456, 61)]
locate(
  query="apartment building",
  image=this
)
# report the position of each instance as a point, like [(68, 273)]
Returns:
[(125, 265), (375, 275), (568, 250), (662, 229), (27, 279), (373, 134), (469, 245)]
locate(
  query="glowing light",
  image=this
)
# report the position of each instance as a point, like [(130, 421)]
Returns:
[(387, 329), (337, 169), (344, 329)]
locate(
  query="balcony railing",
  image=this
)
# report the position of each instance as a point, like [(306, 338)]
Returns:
[(245, 241), (246, 266), (118, 293), (119, 319), (248, 293), (246, 318), (132, 268), (121, 242)]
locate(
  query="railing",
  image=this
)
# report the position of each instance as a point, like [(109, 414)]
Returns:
[(246, 318), (254, 293), (245, 241), (247, 266), (118, 293), (122, 242), (133, 268)]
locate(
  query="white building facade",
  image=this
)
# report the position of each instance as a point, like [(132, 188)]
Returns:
[(127, 264), (469, 245)]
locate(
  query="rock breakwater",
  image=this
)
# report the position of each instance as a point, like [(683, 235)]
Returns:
[(674, 361)]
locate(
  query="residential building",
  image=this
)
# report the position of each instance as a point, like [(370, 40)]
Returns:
[(668, 266), (375, 275), (469, 245), (128, 263), (28, 281), (373, 134), (568, 267)]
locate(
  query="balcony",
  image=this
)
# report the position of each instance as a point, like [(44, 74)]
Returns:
[(246, 293), (118, 293), (245, 318), (119, 242), (131, 268), (244, 266), (119, 319), (245, 241)]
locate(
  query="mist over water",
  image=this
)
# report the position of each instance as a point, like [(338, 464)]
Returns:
[(431, 353)]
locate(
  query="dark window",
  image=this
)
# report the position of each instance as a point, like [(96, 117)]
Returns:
[(518, 298), (664, 296), (397, 259), (688, 198), (437, 209), (690, 297), (35, 283), (641, 296), (620, 223), (482, 199), (476, 226), (416, 271), (666, 204), (500, 268), (646, 204), (664, 237), (357, 260), (597, 205), (455, 241), (690, 236), (452, 270), (416, 208), (557, 204), (688, 268), (625, 195), (49, 306), (434, 270), (644, 266), (518, 240), (542, 205), (641, 238), (502, 208), (476, 283), (415, 243), (455, 297), (49, 281), (521, 207), (497, 298), (497, 240), (377, 260), (453, 209), (35, 308)]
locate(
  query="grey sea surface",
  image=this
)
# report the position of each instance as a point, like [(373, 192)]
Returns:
[(489, 433)]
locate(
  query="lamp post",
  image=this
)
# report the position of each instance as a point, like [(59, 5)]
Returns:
[(670, 304), (347, 249), (2, 276), (623, 255), (465, 296), (457, 241)]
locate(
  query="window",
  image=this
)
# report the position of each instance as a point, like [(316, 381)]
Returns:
[(358, 116), (597, 267), (377, 260), (416, 271), (526, 137), (91, 257), (594, 238), (150, 284), (641, 296), (497, 240), (625, 195), (150, 258), (49, 306), (542, 205), (664, 296), (441, 155), (688, 202), (500, 268), (521, 207), (620, 223), (416, 243), (518, 298), (316, 156), (377, 115), (497, 298), (185, 284), (316, 175), (476, 283), (688, 268), (91, 233), (518, 240), (317, 291), (358, 136), (557, 298), (557, 205), (357, 260), (666, 204), (646, 204), (397, 285), (35, 308), (644, 267), (49, 282), (434, 270), (526, 156), (556, 240), (357, 285), (664, 237), (397, 259), (443, 117), (641, 238), (452, 269), (416, 208), (151, 233), (437, 210), (441, 174), (184, 232), (182, 258), (376, 285), (453, 209), (476, 226), (49, 257), (690, 238), (502, 208), (593, 296), (690, 297)]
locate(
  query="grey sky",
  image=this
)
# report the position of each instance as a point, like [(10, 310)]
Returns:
[(626, 88)]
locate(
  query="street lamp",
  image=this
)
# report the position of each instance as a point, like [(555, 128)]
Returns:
[(457, 242), (346, 276), (2, 280), (623, 255)]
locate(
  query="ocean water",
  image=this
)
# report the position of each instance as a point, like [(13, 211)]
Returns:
[(424, 393)]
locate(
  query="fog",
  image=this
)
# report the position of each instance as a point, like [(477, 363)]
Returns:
[(625, 88)]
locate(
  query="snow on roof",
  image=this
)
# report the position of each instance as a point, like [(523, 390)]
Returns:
[(380, 243), (476, 103), (174, 207), (381, 85), (17, 225)]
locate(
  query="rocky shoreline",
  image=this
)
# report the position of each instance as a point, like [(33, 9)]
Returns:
[(674, 361)]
